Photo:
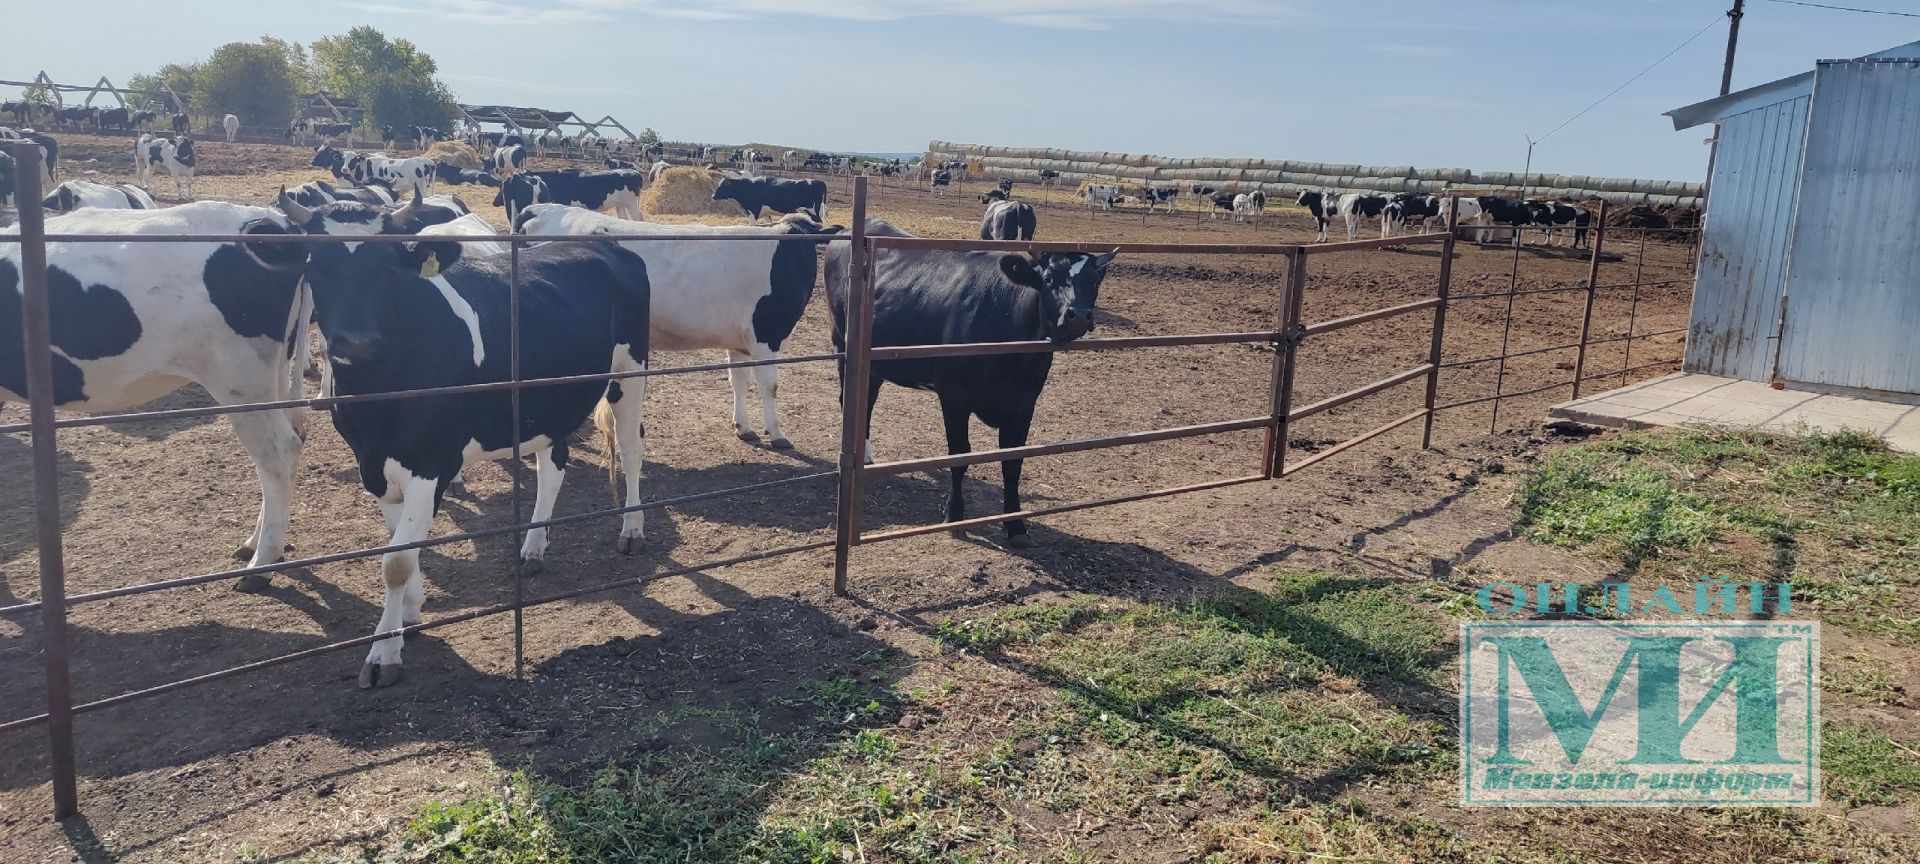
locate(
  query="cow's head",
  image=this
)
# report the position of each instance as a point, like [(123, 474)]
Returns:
[(730, 188), (324, 156), (1068, 285), (355, 285)]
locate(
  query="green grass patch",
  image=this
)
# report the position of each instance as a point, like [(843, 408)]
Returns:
[(1861, 765)]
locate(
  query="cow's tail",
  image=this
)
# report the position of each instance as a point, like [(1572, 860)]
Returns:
[(603, 421)]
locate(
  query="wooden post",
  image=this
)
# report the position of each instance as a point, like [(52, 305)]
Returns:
[(854, 374), (1593, 282)]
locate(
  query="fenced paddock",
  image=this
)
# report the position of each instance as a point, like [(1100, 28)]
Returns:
[(1284, 385)]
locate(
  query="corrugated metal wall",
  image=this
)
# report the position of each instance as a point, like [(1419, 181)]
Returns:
[(1743, 255), (1853, 316)]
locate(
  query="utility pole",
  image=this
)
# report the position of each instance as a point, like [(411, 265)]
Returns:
[(1734, 15)]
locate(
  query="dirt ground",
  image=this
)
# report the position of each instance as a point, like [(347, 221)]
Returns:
[(296, 756)]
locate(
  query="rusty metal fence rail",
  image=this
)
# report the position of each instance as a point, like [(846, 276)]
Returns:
[(1287, 338)]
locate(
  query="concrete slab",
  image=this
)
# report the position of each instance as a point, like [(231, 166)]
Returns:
[(1681, 399)]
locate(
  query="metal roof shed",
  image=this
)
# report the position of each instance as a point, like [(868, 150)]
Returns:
[(1808, 275)]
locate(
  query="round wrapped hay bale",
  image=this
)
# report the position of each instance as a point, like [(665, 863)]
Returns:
[(454, 153), (686, 191)]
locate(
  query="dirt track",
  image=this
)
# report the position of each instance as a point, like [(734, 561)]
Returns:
[(297, 755)]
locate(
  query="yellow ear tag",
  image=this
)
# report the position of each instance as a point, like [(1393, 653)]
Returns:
[(430, 267)]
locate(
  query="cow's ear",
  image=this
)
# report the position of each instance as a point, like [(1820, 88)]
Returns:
[(1103, 259), (1020, 271)]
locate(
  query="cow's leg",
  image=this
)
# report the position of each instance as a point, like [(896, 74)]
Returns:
[(954, 412), (738, 378), (550, 470), (629, 435), (271, 441), (412, 499), (766, 379), (1013, 433)]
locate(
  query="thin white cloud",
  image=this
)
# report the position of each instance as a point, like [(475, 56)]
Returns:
[(1055, 22), (1428, 52)]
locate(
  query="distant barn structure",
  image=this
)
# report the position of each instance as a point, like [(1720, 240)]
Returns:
[(527, 121)]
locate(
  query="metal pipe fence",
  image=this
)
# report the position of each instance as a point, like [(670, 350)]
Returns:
[(851, 473)]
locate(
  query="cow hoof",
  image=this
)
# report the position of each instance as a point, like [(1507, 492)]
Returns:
[(376, 675), (252, 583), (1021, 541), (532, 566), (782, 444), (747, 435), (628, 545), (244, 553)]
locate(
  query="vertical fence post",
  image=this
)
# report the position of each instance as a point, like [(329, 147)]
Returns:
[(1285, 357), (854, 370), (37, 344), (1633, 310), (1593, 283), (1440, 320), (513, 402)]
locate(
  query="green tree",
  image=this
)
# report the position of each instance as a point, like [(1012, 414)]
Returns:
[(391, 78), (248, 79), (648, 137), (299, 65), (178, 76)]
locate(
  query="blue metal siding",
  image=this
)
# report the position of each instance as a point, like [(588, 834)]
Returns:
[(1743, 254), (1853, 290)]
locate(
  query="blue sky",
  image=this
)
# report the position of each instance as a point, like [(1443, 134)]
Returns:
[(1433, 84)]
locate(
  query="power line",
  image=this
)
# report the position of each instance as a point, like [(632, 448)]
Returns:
[(1637, 76), (1846, 8)]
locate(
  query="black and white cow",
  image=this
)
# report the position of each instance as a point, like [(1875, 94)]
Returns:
[(926, 297), (1007, 220), (1103, 194), (402, 175), (176, 157), (744, 296), (405, 317), (657, 170), (755, 194), (144, 120), (325, 131), (1550, 216), (1049, 177), (1511, 213), (74, 195), (1320, 204), (1222, 202), (179, 124), (1407, 208), (1199, 191), (992, 195), (1249, 206), (509, 160), (321, 192), (454, 175), (620, 164), (1159, 195), (231, 125), (940, 177), (590, 189), (1355, 206), (49, 155), (387, 137), (134, 322)]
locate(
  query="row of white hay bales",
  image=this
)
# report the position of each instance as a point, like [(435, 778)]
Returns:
[(1286, 178)]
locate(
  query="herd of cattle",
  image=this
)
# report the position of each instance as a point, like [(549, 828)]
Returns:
[(434, 313)]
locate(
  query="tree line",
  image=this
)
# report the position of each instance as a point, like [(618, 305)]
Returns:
[(262, 82)]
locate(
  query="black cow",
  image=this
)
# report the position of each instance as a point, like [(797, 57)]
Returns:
[(114, 118), (399, 318), (20, 109), (180, 123), (1007, 220), (755, 194), (1549, 216), (1005, 185), (6, 179), (455, 175), (386, 135), (590, 189), (818, 162), (1220, 201), (940, 297), (78, 115), (992, 195), (1510, 212), (1321, 203), (1407, 208)]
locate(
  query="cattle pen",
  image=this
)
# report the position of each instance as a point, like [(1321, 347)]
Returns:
[(1286, 333)]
